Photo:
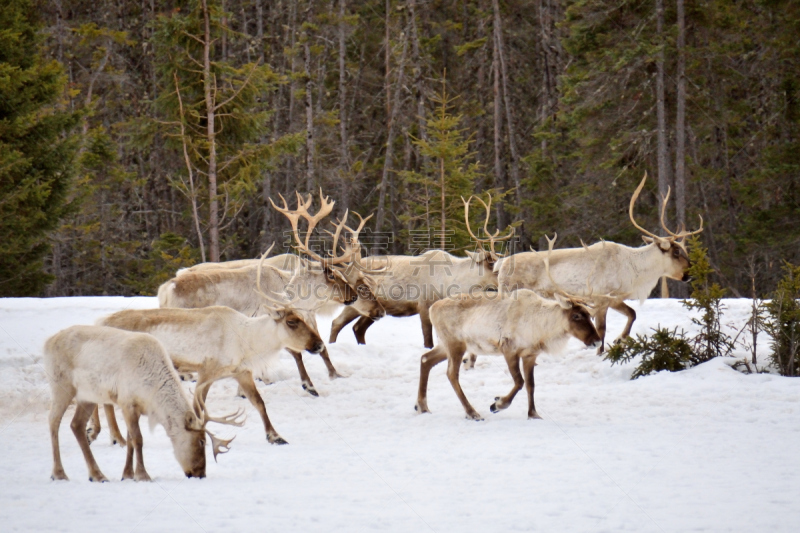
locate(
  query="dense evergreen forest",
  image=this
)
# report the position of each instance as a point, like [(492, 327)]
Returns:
[(138, 136)]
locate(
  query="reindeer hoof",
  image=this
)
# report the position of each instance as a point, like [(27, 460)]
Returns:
[(311, 390), (421, 409), (142, 477), (99, 479), (534, 416), (91, 434), (277, 440), (120, 441), (59, 476), (493, 408)]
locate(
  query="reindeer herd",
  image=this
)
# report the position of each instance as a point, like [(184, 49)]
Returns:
[(233, 319)]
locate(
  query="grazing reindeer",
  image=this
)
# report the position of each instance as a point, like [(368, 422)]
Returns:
[(219, 342), (613, 269), (519, 325), (94, 365), (412, 284)]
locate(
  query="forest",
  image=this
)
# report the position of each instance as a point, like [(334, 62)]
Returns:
[(137, 137)]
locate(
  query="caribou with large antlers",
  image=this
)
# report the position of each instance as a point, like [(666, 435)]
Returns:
[(94, 365), (409, 285), (615, 271)]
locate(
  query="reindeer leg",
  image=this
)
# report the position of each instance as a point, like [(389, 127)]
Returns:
[(131, 415), (93, 428), (304, 379), (248, 387), (83, 412), (626, 310), (332, 373), (427, 326), (600, 326), (454, 353), (427, 361), (62, 396), (528, 363), (348, 315), (360, 329), (127, 472), (469, 361), (512, 360), (113, 428)]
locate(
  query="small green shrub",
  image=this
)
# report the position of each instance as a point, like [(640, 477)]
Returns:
[(707, 298), (783, 322), (664, 350)]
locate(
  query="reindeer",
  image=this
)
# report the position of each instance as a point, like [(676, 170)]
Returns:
[(619, 272), (234, 288), (218, 342), (411, 285), (95, 364), (519, 325)]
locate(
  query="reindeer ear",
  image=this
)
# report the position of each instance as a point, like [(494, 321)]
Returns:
[(275, 314), (191, 421), (664, 244), (562, 301)]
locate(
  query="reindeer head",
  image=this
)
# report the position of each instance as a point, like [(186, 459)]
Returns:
[(579, 316), (345, 282), (297, 328), (190, 444), (675, 257), (483, 256)]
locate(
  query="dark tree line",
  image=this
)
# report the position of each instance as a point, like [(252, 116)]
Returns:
[(189, 115)]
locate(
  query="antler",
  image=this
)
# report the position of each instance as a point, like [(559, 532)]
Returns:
[(633, 201), (326, 207), (492, 237), (217, 444), (682, 233)]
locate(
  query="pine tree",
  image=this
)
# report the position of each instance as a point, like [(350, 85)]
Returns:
[(449, 175), (37, 151)]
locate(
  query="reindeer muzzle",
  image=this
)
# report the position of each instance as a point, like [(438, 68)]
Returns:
[(317, 347), (686, 277)]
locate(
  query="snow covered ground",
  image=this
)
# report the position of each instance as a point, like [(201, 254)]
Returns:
[(708, 449)]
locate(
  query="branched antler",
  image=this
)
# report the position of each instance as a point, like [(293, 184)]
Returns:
[(492, 238)]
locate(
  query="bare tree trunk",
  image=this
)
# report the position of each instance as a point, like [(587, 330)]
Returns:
[(190, 172), (260, 30), (416, 61), (392, 133), (480, 135), (663, 180), (499, 182), (343, 153), (387, 60), (680, 122), (512, 143), (209, 87), (309, 110)]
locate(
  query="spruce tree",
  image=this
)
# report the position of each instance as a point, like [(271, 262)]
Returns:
[(37, 151), (448, 175)]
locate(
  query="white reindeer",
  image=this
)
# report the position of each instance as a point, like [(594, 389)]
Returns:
[(218, 342), (410, 285), (519, 325), (101, 365), (615, 271)]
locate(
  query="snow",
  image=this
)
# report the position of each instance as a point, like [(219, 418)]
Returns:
[(707, 449)]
